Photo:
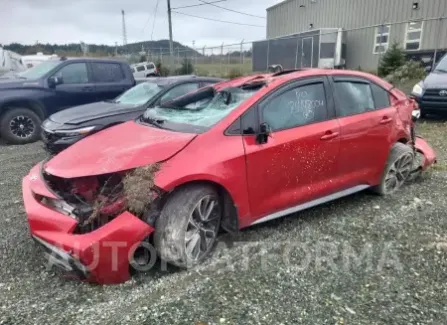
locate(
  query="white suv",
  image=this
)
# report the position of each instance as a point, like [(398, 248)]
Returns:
[(144, 69)]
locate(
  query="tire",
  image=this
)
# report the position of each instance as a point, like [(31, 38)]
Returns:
[(423, 114), (174, 224), (400, 162), (20, 126)]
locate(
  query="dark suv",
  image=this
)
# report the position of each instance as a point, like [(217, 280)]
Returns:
[(431, 93), (55, 85)]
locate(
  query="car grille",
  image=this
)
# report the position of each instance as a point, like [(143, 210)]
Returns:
[(434, 94), (50, 136)]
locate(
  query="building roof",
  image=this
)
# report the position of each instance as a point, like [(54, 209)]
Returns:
[(280, 4)]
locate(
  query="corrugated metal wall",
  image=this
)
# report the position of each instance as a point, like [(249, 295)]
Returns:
[(288, 18)]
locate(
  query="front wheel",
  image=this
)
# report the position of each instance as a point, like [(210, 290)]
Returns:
[(397, 169), (20, 126), (186, 231)]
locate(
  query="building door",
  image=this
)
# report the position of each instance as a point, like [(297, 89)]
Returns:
[(307, 50)]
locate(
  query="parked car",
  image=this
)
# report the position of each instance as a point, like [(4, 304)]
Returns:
[(145, 69), (254, 149), (54, 85), (431, 93), (64, 128)]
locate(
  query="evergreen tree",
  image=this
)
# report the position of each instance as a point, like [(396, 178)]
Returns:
[(393, 59)]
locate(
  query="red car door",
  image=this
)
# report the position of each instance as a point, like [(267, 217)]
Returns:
[(366, 120), (298, 161)]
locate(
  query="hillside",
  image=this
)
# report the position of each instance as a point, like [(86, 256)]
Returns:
[(97, 49)]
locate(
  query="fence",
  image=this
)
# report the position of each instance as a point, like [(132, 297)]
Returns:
[(424, 40)]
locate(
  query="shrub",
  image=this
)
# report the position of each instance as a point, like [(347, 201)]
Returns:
[(409, 71), (234, 73), (164, 71), (393, 59)]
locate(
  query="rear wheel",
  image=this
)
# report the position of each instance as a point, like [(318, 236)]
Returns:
[(187, 228), (20, 126), (397, 170)]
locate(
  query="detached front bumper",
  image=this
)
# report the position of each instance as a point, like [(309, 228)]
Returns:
[(101, 256)]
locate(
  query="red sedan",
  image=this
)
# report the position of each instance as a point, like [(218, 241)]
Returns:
[(229, 156)]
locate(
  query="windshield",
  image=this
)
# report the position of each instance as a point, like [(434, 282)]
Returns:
[(200, 111), (40, 70), (139, 94), (442, 65)]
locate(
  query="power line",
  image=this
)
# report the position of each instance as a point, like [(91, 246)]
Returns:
[(201, 4), (155, 16), (238, 12), (221, 21)]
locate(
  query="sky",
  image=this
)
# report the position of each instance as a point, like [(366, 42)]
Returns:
[(99, 21)]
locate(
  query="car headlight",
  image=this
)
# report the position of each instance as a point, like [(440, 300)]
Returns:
[(417, 90), (75, 132)]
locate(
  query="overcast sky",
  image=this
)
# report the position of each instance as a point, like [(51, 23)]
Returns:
[(99, 21)]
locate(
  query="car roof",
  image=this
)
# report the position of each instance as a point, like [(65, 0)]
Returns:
[(83, 59), (289, 75), (164, 81)]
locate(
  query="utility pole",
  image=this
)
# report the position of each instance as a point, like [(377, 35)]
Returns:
[(242, 52), (171, 45)]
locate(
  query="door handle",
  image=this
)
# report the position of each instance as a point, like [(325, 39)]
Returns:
[(386, 120), (329, 135)]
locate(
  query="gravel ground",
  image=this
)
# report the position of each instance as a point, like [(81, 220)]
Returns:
[(360, 260)]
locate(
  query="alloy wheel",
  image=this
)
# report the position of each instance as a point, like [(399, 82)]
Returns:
[(399, 172), (22, 126), (202, 228)]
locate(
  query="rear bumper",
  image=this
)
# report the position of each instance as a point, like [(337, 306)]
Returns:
[(427, 151), (101, 256)]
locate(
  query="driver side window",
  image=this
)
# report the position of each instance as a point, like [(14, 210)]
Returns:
[(296, 107), (74, 73), (179, 91)]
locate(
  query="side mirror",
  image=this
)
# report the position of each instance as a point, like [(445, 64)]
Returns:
[(427, 69), (265, 131), (53, 81)]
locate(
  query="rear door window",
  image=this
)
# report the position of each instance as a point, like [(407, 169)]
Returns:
[(353, 98), (381, 97), (107, 72), (150, 67)]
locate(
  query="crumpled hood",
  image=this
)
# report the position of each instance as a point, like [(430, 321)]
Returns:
[(436, 80), (119, 148)]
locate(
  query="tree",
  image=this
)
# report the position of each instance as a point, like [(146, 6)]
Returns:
[(186, 68), (393, 59), (143, 58)]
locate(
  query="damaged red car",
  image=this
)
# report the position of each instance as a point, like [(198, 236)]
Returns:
[(226, 157)]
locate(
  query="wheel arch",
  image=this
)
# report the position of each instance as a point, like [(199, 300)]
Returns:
[(32, 105), (230, 218)]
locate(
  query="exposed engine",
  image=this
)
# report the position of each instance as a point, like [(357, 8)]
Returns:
[(93, 200)]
